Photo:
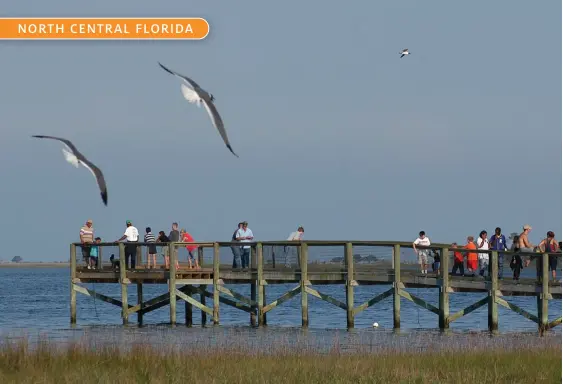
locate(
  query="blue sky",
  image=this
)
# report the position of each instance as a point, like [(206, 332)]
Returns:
[(334, 131)]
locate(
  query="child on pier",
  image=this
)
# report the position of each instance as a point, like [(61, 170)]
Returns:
[(94, 253)]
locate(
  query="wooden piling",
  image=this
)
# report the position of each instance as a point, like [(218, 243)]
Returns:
[(259, 282), (200, 256), (444, 296), (140, 303), (349, 257), (493, 289), (123, 282), (202, 291), (253, 285), (188, 309), (216, 263), (543, 298), (172, 282), (304, 307), (396, 286), (72, 290)]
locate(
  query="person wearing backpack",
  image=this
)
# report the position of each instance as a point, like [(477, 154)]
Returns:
[(498, 243)]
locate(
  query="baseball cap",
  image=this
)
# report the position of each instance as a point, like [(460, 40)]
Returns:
[(89, 221), (527, 227), (128, 222)]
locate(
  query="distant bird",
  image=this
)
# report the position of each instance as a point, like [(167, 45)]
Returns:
[(197, 95), (73, 156), (404, 52)]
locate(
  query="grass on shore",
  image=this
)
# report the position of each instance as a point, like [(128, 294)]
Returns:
[(78, 364)]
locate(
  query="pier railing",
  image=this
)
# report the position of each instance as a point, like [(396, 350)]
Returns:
[(308, 263)]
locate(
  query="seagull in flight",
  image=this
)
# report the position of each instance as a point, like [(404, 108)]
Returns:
[(73, 156), (404, 52), (197, 95)]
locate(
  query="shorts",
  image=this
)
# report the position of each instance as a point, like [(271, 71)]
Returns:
[(152, 249), (553, 263), (483, 263), (472, 264), (422, 257), (164, 251), (436, 265), (86, 252)]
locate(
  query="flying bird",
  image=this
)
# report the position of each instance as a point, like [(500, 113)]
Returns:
[(197, 95), (404, 52), (73, 156)]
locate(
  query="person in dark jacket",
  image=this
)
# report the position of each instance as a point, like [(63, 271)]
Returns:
[(235, 248), (516, 261)]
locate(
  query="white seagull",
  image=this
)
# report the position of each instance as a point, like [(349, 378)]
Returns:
[(404, 52), (73, 156), (197, 95)]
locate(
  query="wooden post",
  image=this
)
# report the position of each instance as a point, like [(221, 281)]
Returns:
[(100, 257), (444, 296), (122, 280), (260, 278), (304, 308), (200, 256), (253, 285), (396, 286), (349, 257), (203, 289), (140, 302), (172, 282), (216, 263), (72, 277), (264, 303), (139, 256), (543, 302), (493, 288), (188, 309)]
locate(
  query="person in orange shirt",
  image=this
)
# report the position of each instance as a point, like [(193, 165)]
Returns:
[(458, 261), (471, 256)]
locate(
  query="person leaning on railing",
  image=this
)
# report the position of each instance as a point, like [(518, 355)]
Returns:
[(548, 245)]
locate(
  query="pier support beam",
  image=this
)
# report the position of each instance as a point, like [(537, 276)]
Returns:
[(543, 312), (123, 283), (396, 286), (140, 303), (203, 289), (259, 282), (72, 277), (493, 289), (189, 309), (216, 263), (349, 257), (253, 286), (172, 283), (444, 297), (304, 305)]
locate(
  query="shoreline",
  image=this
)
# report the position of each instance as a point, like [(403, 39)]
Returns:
[(36, 264)]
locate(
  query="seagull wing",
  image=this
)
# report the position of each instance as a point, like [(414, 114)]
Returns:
[(95, 170), (190, 94), (217, 122), (185, 78)]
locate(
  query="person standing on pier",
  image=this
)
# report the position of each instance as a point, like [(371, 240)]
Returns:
[(498, 243), (236, 248), (458, 261), (524, 243), (245, 235), (151, 249), (86, 239), (549, 245), (422, 253), (471, 256), (483, 244), (516, 261), (174, 237), (187, 238), (132, 236)]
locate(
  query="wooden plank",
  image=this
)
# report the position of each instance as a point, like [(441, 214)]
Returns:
[(469, 309), (172, 255), (193, 302), (194, 281), (554, 323), (232, 303), (72, 282), (444, 296), (99, 296), (326, 298), (397, 286), (518, 310), (373, 301), (216, 283), (158, 302), (419, 301), (236, 295), (349, 257), (304, 277), (260, 278), (492, 315), (123, 284), (283, 298)]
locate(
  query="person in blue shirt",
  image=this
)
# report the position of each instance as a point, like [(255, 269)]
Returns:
[(94, 252), (498, 243)]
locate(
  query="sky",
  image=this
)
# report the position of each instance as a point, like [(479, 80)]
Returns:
[(334, 131)]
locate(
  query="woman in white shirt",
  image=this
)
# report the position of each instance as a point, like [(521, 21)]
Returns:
[(483, 243)]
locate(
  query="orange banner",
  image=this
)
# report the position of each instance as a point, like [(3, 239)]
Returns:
[(103, 28)]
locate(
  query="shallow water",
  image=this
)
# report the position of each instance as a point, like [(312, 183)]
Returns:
[(34, 302)]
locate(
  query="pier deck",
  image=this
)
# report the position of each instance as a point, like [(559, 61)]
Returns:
[(350, 270)]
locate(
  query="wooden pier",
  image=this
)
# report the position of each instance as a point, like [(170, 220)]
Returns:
[(194, 287)]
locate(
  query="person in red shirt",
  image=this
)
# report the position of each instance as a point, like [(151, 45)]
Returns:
[(187, 238), (458, 261), (471, 256)]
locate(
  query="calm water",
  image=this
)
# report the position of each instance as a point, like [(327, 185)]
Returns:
[(35, 302)]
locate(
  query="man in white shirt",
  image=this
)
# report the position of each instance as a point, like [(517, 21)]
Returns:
[(294, 236), (483, 243), (422, 253), (245, 235), (132, 236)]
